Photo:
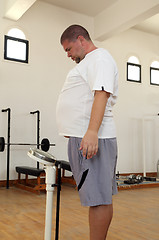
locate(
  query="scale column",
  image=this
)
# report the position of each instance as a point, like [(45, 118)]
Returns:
[(50, 182)]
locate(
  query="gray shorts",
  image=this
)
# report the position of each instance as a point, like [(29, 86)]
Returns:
[(95, 177)]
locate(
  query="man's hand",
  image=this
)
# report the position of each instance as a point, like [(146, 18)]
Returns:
[(89, 144)]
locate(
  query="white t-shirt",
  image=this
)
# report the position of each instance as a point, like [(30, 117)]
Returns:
[(97, 71)]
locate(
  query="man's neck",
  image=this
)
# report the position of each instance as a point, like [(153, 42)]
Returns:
[(90, 47)]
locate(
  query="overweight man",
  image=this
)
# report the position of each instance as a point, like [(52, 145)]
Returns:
[(84, 115)]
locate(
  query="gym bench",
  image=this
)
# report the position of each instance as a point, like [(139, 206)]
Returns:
[(40, 174), (26, 184)]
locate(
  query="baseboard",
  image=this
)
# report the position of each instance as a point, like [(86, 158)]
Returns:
[(148, 174)]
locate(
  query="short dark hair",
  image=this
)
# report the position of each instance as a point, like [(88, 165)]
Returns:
[(72, 32)]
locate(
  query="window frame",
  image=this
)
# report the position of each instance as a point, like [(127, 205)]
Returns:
[(136, 65), (6, 37), (153, 68)]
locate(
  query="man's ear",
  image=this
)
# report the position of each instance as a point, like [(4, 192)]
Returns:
[(81, 39)]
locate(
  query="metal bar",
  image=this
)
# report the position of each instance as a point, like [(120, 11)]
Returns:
[(38, 130), (27, 144), (21, 144), (34, 112), (58, 202), (8, 144), (8, 148), (38, 133)]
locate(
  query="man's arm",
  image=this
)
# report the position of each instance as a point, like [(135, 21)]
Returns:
[(89, 143)]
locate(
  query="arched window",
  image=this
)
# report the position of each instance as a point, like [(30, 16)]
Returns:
[(17, 33), (16, 47), (133, 70), (154, 73)]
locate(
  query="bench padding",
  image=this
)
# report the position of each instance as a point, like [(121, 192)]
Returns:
[(66, 165), (30, 171), (36, 172)]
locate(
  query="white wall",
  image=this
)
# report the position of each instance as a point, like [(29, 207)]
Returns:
[(136, 101), (25, 88)]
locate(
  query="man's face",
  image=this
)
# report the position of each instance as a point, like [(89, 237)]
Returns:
[(74, 50)]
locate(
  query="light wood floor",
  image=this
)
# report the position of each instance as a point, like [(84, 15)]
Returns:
[(22, 214)]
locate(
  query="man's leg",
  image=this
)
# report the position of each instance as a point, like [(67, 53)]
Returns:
[(99, 220)]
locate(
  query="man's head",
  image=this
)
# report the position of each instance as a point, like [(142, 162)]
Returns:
[(73, 32), (76, 42)]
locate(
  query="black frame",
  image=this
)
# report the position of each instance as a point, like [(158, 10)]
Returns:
[(157, 69), (136, 65), (19, 40)]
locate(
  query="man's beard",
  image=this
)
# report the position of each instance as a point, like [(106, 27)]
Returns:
[(77, 60)]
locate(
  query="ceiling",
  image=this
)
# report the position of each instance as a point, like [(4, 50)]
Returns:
[(87, 7), (151, 25)]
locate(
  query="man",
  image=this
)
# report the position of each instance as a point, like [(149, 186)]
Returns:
[(84, 114)]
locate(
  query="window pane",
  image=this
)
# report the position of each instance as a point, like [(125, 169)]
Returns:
[(133, 59), (15, 32), (134, 73), (154, 76), (16, 50), (155, 64)]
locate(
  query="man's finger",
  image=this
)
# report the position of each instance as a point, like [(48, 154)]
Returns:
[(85, 152), (90, 152)]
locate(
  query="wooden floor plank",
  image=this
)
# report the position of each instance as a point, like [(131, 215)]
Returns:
[(22, 215)]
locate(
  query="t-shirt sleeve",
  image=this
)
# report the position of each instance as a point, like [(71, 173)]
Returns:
[(101, 76)]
